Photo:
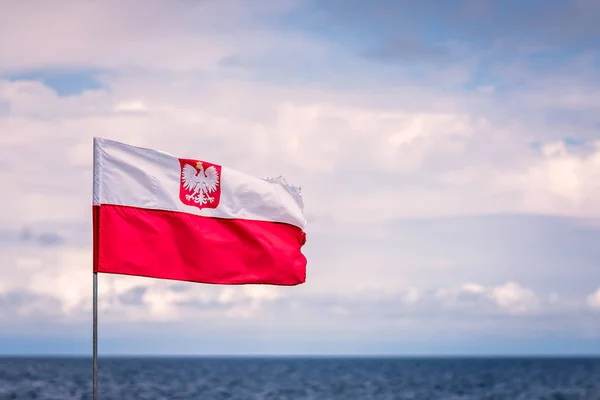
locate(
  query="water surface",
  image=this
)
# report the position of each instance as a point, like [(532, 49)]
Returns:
[(289, 378)]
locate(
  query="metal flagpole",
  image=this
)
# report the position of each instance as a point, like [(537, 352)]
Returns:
[(95, 338), (95, 290)]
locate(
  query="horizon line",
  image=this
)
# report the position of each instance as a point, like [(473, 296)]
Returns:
[(296, 356)]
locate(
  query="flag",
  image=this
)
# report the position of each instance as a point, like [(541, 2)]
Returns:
[(160, 216)]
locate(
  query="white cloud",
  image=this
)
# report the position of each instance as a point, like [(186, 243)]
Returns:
[(131, 106), (406, 160), (121, 34), (473, 288), (358, 165), (384, 167), (508, 298), (560, 181), (593, 300), (515, 299)]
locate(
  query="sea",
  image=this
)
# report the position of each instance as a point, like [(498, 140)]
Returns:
[(122, 378)]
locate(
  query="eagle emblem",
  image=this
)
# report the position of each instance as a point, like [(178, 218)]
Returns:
[(200, 184)]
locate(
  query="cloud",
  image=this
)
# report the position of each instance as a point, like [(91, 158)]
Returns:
[(514, 298), (459, 196), (408, 49), (416, 275), (593, 300), (508, 298), (419, 150), (133, 296), (485, 22), (27, 236), (26, 305), (416, 159), (122, 35)]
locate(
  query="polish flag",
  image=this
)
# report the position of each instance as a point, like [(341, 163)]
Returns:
[(159, 216)]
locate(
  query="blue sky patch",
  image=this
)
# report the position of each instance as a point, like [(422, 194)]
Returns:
[(65, 83)]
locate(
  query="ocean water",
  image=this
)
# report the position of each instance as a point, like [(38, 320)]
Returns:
[(279, 378)]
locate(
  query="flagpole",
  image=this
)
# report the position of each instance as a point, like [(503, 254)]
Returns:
[(95, 339), (95, 274)]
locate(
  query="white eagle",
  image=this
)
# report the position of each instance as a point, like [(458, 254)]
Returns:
[(200, 182)]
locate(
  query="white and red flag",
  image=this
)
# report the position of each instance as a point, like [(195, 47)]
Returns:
[(160, 216)]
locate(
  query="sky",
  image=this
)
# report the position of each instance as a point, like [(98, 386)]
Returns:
[(448, 155)]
